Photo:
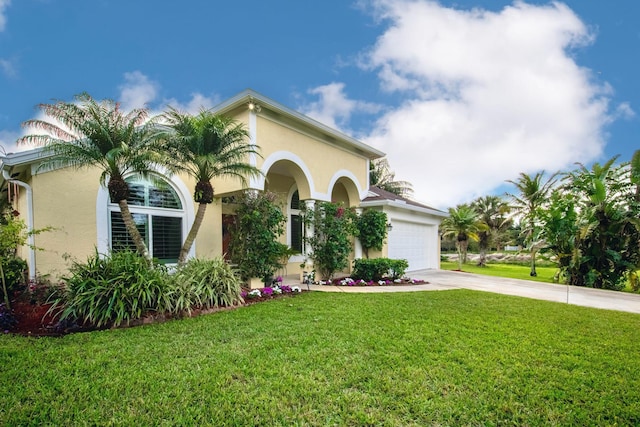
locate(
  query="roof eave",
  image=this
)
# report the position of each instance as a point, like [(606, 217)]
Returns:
[(403, 205), (251, 95)]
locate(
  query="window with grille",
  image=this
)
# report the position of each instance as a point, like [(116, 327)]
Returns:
[(158, 214), (295, 222)]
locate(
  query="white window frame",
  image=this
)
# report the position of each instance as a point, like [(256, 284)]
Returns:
[(104, 207)]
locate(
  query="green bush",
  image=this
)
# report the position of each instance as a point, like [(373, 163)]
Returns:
[(14, 273), (331, 243), (113, 289), (378, 268), (371, 228), (202, 284), (254, 245), (397, 268)]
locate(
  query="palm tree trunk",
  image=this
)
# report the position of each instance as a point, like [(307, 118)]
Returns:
[(533, 272), (193, 232), (130, 224), (482, 262)]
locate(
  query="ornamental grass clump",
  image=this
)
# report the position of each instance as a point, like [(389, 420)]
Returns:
[(205, 284), (112, 290)]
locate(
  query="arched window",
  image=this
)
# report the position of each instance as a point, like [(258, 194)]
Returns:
[(296, 235), (158, 214)]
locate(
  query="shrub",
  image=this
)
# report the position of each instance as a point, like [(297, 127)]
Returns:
[(397, 267), (14, 273), (254, 245), (113, 289), (371, 229), (331, 242), (377, 268), (202, 284)]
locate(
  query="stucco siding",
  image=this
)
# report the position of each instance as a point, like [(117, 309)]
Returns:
[(64, 199)]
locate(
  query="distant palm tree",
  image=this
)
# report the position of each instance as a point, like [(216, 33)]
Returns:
[(90, 133), (532, 194), (635, 173), (381, 176), (464, 223), (208, 146), (492, 211)]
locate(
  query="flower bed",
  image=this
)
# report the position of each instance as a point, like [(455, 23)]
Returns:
[(269, 292), (347, 281)]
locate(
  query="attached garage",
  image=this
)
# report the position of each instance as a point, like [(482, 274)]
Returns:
[(413, 233)]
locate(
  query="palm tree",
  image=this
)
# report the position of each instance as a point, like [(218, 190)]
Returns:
[(208, 146), (381, 176), (635, 173), (464, 223), (89, 133), (492, 211), (532, 195)]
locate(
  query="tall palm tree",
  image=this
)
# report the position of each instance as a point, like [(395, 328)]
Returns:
[(464, 223), (208, 146), (492, 211), (635, 173), (89, 133), (532, 194), (381, 176)]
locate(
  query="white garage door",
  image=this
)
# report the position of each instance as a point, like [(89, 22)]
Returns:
[(408, 240)]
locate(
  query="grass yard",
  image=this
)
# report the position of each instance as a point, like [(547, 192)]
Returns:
[(513, 271), (426, 358)]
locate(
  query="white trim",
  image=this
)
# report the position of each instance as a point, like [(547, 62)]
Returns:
[(400, 204), (103, 216), (254, 181), (344, 173), (287, 155), (264, 102)]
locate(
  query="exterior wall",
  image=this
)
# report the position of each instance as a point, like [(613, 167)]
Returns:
[(64, 199), (321, 160)]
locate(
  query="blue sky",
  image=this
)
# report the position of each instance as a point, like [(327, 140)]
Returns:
[(461, 95)]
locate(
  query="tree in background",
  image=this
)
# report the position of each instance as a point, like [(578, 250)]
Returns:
[(381, 176), (208, 146), (463, 223), (531, 196), (492, 211), (608, 225), (89, 133), (560, 229)]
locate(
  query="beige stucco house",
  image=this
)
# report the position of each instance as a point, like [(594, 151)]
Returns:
[(303, 162)]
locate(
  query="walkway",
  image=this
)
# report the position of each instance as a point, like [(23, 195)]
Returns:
[(445, 280)]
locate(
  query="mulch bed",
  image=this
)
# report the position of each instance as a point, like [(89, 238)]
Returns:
[(33, 319)]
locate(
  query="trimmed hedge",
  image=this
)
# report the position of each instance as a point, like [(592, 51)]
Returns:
[(378, 268)]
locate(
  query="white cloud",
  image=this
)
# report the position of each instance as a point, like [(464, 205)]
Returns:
[(625, 111), (197, 103), (8, 67), (334, 108), (137, 91), (8, 142), (3, 19), (487, 95)]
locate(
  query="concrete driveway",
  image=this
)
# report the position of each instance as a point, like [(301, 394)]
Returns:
[(444, 280)]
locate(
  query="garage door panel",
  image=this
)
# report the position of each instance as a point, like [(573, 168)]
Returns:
[(409, 241)]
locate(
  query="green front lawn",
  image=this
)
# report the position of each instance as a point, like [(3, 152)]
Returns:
[(513, 271), (424, 358)]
